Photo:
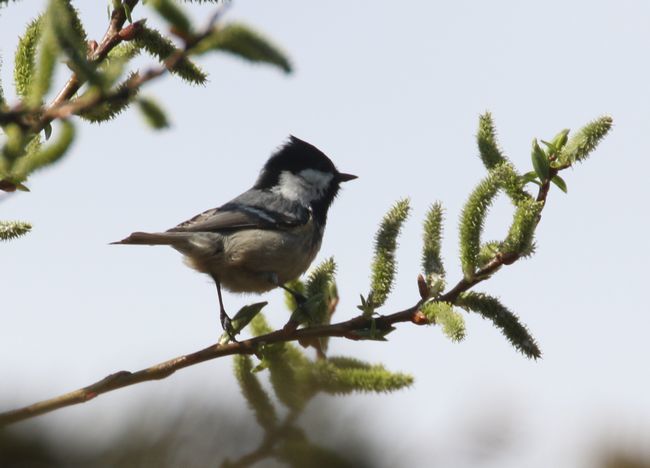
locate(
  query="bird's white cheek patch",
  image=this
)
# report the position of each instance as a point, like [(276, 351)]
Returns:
[(320, 180), (309, 185)]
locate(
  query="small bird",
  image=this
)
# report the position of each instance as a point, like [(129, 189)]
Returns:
[(266, 236)]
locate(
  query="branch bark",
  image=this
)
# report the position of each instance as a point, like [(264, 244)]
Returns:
[(165, 369)]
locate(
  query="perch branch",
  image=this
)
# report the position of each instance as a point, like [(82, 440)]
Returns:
[(348, 329)]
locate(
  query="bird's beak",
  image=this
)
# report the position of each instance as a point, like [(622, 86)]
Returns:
[(341, 177)]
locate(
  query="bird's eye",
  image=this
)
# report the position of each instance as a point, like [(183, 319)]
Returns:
[(316, 177)]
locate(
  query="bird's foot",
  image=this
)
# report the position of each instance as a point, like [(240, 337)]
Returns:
[(226, 324), (291, 326), (298, 297)]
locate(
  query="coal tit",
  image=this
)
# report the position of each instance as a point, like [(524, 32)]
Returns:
[(266, 236)]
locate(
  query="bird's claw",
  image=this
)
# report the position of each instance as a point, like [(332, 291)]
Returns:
[(226, 324)]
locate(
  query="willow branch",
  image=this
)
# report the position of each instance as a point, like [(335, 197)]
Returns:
[(37, 120), (112, 37), (65, 109), (350, 329), (267, 445), (165, 369)]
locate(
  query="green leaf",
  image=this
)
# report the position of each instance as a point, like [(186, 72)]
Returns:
[(242, 318), (540, 162), (366, 306), (127, 12), (244, 42), (173, 14), (153, 114), (560, 139), (529, 177), (559, 182), (25, 57), (384, 265), (47, 131), (557, 143), (491, 309), (13, 229), (489, 150)]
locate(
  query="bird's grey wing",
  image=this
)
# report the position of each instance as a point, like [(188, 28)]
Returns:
[(234, 216)]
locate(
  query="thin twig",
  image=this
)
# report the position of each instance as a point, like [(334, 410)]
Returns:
[(67, 108), (36, 121), (267, 445)]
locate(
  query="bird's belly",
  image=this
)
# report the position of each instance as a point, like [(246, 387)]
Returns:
[(257, 260)]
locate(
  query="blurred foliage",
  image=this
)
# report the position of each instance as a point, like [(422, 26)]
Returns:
[(192, 435), (102, 82)]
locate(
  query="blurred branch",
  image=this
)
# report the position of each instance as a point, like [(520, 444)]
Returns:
[(112, 37), (64, 106), (132, 85)]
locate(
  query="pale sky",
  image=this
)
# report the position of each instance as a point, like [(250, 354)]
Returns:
[(391, 91)]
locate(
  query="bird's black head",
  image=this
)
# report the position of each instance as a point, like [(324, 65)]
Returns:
[(301, 172)]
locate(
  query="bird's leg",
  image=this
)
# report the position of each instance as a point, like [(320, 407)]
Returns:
[(226, 323), (292, 324), (298, 297)]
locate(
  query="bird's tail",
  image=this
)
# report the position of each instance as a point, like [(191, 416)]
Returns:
[(153, 238)]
